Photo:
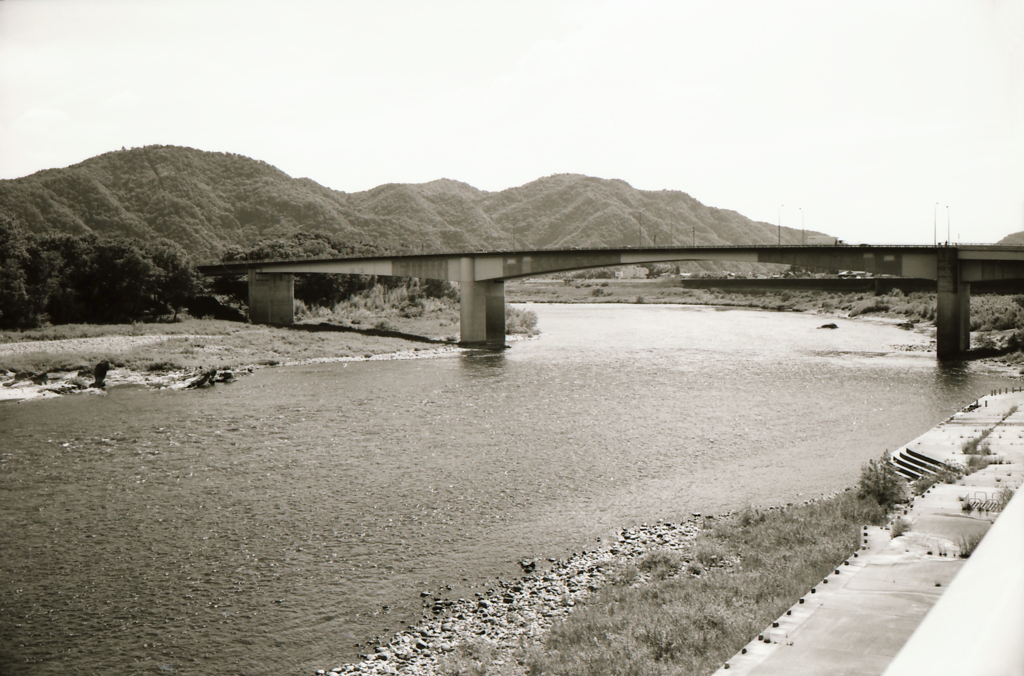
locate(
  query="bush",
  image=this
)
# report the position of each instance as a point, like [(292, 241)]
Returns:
[(968, 542), (869, 305), (979, 462), (1003, 497), (519, 321), (880, 482), (946, 475)]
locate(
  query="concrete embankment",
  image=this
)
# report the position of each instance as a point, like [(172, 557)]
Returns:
[(910, 604)]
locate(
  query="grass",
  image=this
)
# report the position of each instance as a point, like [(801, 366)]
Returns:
[(899, 527), (977, 445), (699, 609), (1003, 497), (200, 344), (186, 326), (968, 542), (945, 475), (979, 462)]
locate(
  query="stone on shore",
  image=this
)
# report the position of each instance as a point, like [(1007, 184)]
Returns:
[(100, 374)]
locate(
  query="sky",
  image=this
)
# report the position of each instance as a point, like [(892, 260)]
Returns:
[(893, 121)]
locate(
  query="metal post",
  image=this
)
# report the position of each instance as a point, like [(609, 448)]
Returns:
[(780, 223), (935, 225)]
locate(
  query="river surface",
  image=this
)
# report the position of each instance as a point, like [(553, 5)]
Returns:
[(268, 526)]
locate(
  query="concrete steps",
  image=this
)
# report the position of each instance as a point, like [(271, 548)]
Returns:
[(912, 465)]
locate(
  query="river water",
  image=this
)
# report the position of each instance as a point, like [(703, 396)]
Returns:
[(268, 526)]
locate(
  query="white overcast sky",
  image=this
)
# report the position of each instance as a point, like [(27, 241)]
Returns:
[(856, 116)]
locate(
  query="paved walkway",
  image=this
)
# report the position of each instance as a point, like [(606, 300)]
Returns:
[(856, 620)]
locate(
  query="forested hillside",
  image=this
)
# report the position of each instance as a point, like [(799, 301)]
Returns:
[(207, 202)]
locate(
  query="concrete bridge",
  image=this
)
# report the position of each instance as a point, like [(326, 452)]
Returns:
[(481, 276)]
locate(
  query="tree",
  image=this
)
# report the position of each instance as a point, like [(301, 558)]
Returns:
[(16, 307), (176, 280)]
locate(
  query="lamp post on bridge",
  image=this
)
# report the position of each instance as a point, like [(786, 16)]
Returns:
[(947, 224), (803, 227), (780, 223), (935, 225)]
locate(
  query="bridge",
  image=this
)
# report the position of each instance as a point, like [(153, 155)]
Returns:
[(482, 275)]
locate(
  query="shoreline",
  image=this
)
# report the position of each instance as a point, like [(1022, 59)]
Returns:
[(62, 383), (516, 613), (513, 615), (20, 386)]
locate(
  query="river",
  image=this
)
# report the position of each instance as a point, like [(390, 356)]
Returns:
[(268, 526)]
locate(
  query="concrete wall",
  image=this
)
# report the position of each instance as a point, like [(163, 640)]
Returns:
[(977, 626)]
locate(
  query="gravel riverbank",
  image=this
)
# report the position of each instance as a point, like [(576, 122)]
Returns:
[(516, 611), (45, 385)]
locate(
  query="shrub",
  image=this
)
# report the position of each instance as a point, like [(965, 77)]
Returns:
[(1003, 497), (899, 527), (978, 462), (968, 542), (977, 446), (947, 475), (880, 482), (869, 305), (921, 485), (518, 320)]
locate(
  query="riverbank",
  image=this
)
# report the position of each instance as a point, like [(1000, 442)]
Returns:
[(318, 502), (997, 321), (60, 360), (690, 597), (665, 597)]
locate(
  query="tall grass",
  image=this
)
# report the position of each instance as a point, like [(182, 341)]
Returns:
[(977, 445), (752, 567), (968, 542), (1003, 497)]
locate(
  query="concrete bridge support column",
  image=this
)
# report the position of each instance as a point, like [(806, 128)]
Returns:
[(481, 308), (953, 307), (271, 297)]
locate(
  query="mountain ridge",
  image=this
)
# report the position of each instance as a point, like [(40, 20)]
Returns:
[(210, 201)]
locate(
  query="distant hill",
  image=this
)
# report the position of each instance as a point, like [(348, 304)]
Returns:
[(208, 201), (1015, 238)]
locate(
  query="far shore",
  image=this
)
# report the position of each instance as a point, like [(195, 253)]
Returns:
[(57, 360)]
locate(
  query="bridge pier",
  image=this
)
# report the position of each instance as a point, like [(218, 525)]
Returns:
[(953, 307), (271, 297), (481, 308)]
